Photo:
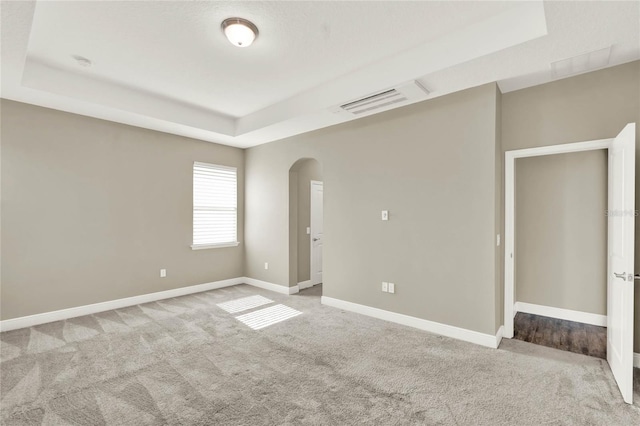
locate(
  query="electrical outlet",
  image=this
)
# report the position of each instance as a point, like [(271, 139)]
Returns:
[(266, 265), (392, 288), (385, 287), (385, 214), (163, 273)]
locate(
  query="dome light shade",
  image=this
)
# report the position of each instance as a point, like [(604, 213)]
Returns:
[(240, 32)]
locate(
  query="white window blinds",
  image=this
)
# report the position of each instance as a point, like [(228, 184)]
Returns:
[(215, 205)]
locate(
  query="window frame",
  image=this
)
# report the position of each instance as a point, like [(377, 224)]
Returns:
[(194, 208)]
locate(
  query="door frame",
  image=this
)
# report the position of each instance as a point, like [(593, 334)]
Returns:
[(311, 184), (509, 213)]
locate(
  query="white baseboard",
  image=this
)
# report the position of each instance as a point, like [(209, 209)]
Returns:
[(478, 338), (78, 311), (499, 335), (271, 286), (565, 314), (31, 320), (431, 326), (305, 284)]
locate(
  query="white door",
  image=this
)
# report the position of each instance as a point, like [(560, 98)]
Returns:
[(621, 215), (316, 232)]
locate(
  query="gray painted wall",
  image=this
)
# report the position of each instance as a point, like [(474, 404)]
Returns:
[(433, 166), (590, 106), (92, 210), (561, 231)]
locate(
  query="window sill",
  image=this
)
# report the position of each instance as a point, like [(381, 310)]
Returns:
[(211, 246)]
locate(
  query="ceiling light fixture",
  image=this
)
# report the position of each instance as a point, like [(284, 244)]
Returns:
[(240, 32)]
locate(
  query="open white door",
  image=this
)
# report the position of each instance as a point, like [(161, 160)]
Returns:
[(316, 231), (621, 216)]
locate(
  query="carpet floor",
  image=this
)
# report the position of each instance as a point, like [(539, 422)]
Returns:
[(188, 361)]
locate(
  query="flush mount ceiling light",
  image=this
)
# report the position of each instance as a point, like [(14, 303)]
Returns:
[(240, 32)]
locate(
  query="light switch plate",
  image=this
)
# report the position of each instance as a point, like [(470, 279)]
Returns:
[(163, 273), (385, 214), (266, 265), (392, 288), (498, 240), (308, 231), (385, 287)]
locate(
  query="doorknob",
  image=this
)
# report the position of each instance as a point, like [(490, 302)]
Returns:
[(623, 276), (316, 239)]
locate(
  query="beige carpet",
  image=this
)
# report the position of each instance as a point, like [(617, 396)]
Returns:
[(187, 361)]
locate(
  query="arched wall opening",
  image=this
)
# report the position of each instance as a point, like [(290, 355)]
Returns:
[(302, 174)]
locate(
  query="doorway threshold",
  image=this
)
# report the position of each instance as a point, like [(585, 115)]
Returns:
[(561, 334)]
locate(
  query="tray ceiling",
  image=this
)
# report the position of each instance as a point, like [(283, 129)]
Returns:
[(167, 65)]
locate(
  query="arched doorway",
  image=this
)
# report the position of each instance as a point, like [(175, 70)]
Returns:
[(305, 224)]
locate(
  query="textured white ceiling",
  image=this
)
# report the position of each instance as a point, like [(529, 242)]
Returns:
[(167, 65), (177, 50)]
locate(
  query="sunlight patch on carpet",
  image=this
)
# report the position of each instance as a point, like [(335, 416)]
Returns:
[(239, 305), (268, 316)]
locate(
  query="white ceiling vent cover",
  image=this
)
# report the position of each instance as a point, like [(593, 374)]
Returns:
[(579, 64), (374, 102), (382, 101)]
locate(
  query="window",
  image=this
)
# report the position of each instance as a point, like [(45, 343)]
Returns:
[(215, 206)]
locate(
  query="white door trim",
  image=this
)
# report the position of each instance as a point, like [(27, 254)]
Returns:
[(311, 249), (509, 213)]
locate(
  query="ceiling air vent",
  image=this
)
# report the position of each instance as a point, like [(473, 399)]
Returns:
[(579, 64), (373, 102), (382, 101)]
